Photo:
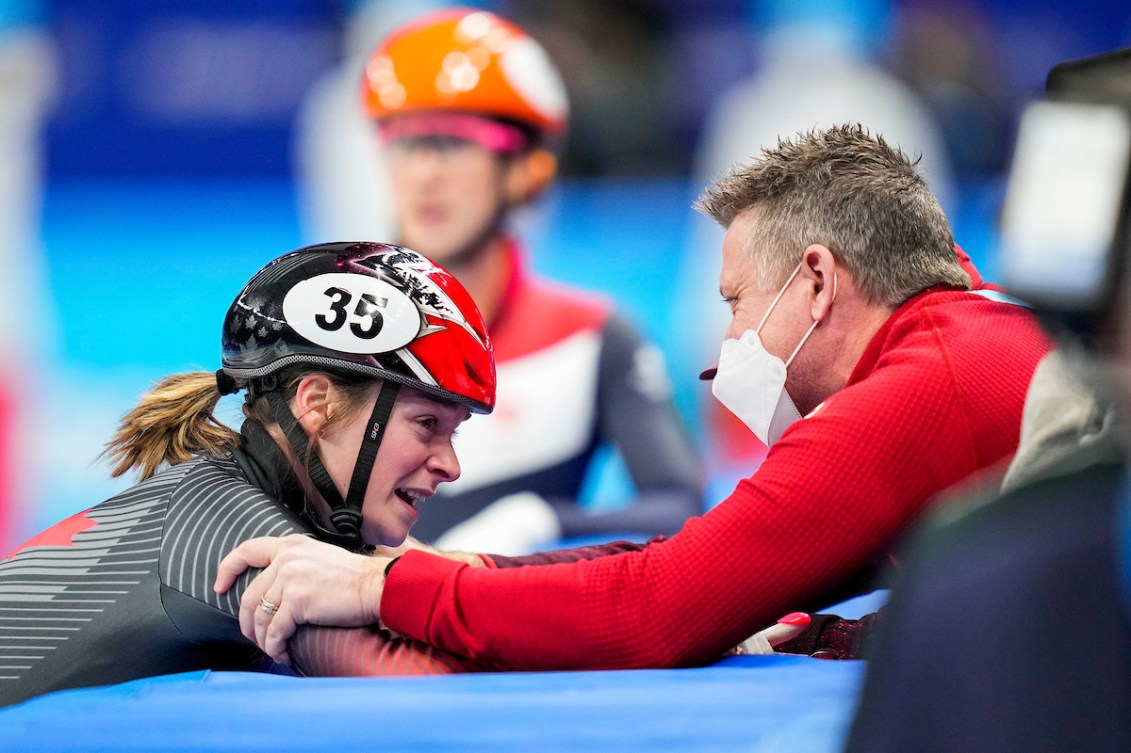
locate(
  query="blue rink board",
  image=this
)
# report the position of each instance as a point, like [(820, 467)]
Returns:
[(750, 703)]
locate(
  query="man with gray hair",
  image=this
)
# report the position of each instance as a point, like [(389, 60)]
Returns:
[(855, 350)]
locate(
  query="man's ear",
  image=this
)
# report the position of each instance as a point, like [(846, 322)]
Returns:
[(312, 402), (819, 270), (529, 175)]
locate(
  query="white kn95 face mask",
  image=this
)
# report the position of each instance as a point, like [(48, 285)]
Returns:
[(750, 382)]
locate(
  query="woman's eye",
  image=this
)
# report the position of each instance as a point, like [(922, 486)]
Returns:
[(428, 423)]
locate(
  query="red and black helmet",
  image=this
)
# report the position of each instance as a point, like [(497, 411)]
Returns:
[(367, 308)]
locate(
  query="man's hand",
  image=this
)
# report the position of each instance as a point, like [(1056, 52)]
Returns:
[(308, 581)]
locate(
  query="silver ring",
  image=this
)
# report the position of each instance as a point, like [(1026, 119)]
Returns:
[(267, 606)]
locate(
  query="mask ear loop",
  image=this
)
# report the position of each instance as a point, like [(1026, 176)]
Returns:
[(777, 298), (812, 327)]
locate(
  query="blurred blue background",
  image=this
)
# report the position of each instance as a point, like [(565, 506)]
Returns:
[(151, 162)]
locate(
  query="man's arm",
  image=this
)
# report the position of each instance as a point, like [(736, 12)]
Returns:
[(376, 651), (830, 497)]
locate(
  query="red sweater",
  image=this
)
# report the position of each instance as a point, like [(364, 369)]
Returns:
[(935, 399)]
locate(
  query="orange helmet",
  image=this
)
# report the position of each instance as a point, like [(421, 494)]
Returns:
[(468, 61)]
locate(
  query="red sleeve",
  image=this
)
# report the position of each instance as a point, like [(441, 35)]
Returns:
[(829, 498)]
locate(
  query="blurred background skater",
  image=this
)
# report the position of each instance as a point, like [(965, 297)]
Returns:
[(817, 62), (27, 85), (471, 113)]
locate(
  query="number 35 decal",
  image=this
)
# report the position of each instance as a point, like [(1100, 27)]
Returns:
[(351, 313), (368, 309)]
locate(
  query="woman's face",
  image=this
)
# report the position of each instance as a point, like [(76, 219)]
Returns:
[(415, 457)]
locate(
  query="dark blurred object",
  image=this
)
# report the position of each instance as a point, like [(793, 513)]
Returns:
[(1009, 629), (1064, 227), (1105, 77), (1006, 632)]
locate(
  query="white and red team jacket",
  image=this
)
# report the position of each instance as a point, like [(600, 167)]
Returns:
[(573, 374)]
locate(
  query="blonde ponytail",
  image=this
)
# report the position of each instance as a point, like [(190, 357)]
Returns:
[(172, 421)]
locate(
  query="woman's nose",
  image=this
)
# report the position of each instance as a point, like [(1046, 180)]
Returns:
[(445, 462)]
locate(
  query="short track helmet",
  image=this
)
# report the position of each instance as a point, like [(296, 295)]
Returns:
[(366, 308), (469, 61)]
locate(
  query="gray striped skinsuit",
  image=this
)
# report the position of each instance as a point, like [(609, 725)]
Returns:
[(124, 590)]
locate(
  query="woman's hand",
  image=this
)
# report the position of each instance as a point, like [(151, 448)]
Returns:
[(303, 581), (785, 629)]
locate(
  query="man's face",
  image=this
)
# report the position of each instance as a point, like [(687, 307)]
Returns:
[(447, 192), (750, 297)]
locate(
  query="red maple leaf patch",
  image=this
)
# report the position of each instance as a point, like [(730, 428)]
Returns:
[(60, 534)]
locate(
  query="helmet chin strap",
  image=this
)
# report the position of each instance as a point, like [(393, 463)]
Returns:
[(345, 514), (348, 517)]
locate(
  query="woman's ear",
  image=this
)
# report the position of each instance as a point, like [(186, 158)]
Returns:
[(529, 175), (312, 403)]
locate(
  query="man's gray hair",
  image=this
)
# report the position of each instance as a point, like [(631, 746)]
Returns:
[(850, 191)]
